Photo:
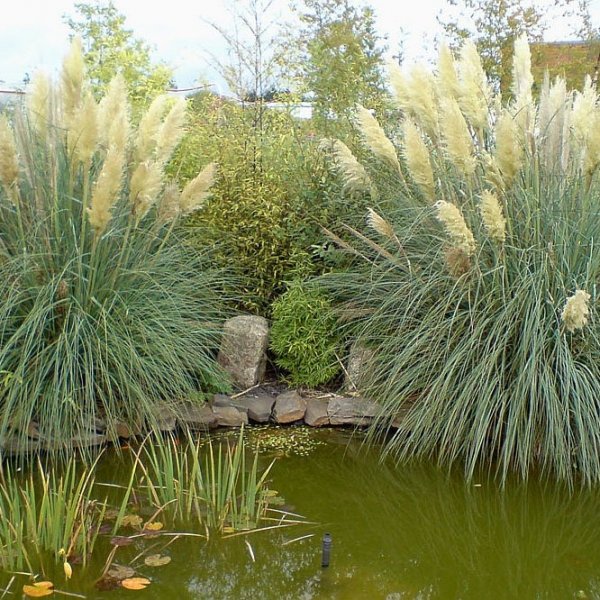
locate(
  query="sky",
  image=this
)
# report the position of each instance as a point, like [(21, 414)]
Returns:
[(33, 34)]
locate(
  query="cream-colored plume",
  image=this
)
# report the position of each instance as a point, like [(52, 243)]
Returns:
[(576, 312), (416, 154), (492, 216), (145, 186), (423, 100), (72, 75), (553, 123), (509, 149), (9, 159), (461, 236), (585, 120), (106, 191), (447, 78), (457, 139), (169, 205), (82, 133), (149, 126), (399, 85), (113, 115), (375, 138), (171, 131), (523, 107), (380, 225), (38, 103), (474, 87), (197, 190), (354, 175)]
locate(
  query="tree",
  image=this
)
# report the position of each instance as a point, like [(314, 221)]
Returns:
[(110, 48), (340, 57), (494, 25)]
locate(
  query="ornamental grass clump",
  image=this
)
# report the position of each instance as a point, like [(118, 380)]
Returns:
[(477, 285), (105, 307)]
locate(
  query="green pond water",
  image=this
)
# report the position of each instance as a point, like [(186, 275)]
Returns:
[(408, 532)]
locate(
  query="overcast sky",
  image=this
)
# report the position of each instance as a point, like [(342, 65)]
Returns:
[(33, 34)]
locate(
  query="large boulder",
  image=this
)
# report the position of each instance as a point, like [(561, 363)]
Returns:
[(289, 407), (351, 411), (243, 351), (358, 364)]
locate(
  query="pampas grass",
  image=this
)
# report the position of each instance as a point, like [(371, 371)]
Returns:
[(107, 311), (487, 350)]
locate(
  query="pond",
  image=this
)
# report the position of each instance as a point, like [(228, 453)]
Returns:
[(407, 532)]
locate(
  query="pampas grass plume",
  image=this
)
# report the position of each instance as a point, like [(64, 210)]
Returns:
[(380, 225), (474, 88), (576, 312), (197, 190), (375, 138), (38, 102), (522, 84), (458, 142), (82, 134), (354, 175), (447, 78), (399, 85), (148, 129), (492, 216), (171, 131), (113, 115), (169, 205), (106, 191), (450, 216), (72, 75), (9, 160), (509, 150), (417, 159), (423, 99), (144, 188)]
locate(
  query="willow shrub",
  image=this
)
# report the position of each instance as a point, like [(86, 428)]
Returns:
[(105, 308), (478, 282)]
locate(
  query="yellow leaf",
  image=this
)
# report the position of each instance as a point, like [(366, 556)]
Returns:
[(156, 526), (157, 560), (68, 570), (39, 590), (228, 529), (135, 583)]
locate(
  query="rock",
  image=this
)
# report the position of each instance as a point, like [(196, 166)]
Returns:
[(164, 417), (357, 367), (229, 416), (197, 417), (289, 407), (127, 430), (260, 407), (221, 400), (316, 412), (243, 351), (87, 440), (351, 411)]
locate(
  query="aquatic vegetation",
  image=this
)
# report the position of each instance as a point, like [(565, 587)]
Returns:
[(106, 309), (476, 285)]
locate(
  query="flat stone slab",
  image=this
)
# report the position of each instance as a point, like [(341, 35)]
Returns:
[(258, 408), (198, 417), (243, 352), (229, 416), (351, 411), (289, 407), (316, 412)]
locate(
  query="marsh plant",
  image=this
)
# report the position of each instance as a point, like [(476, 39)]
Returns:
[(214, 485), (105, 309), (478, 281)]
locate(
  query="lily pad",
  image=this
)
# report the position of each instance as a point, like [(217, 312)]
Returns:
[(39, 589), (135, 583), (120, 572), (157, 560)]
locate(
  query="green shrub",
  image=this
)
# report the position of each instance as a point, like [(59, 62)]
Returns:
[(105, 307), (479, 287), (304, 336), (273, 195)]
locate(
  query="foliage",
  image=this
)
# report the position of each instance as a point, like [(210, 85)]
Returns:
[(495, 25), (304, 336), (214, 487), (479, 287), (111, 49), (106, 308), (340, 58), (273, 194)]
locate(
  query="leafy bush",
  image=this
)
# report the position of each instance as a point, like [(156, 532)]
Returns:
[(479, 287), (106, 308), (273, 194), (304, 336)]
